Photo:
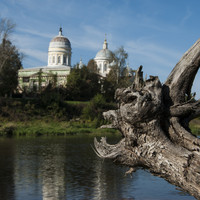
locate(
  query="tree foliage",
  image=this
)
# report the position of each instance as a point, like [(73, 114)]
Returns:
[(10, 62), (94, 109), (118, 76), (10, 59), (121, 56), (92, 66), (119, 69), (82, 84)]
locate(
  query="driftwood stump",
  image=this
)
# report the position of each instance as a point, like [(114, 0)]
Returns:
[(154, 122)]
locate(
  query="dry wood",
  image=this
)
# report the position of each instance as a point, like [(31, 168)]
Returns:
[(153, 119)]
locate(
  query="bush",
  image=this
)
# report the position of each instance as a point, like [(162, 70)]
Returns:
[(93, 111)]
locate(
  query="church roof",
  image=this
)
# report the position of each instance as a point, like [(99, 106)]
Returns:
[(105, 53), (60, 41), (45, 68)]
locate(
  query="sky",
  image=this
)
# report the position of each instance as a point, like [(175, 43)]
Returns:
[(155, 33)]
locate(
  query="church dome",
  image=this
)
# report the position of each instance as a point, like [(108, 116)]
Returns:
[(59, 53), (60, 41), (105, 53), (103, 59)]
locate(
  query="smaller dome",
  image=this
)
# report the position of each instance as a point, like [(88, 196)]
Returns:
[(104, 54)]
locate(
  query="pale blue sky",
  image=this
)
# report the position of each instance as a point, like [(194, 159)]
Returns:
[(155, 33)]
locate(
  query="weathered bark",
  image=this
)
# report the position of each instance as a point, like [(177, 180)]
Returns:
[(153, 119)]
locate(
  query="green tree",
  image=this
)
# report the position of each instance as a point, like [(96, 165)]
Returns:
[(10, 60), (10, 64), (82, 84), (40, 80), (117, 76), (108, 89), (54, 79), (121, 56), (92, 66), (93, 111), (118, 70)]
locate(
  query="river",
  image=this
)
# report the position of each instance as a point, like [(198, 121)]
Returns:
[(59, 168)]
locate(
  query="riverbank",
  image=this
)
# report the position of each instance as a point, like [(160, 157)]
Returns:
[(62, 128), (50, 128), (34, 117)]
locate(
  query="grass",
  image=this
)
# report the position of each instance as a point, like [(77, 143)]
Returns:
[(20, 117), (50, 128), (35, 117), (195, 126)]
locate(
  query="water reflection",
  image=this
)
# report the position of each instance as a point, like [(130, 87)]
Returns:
[(88, 177), (52, 171), (67, 168), (7, 169)]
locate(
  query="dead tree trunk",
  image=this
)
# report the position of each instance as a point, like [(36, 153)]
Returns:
[(153, 119)]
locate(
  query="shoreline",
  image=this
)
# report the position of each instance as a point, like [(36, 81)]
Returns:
[(50, 128), (30, 117), (47, 127)]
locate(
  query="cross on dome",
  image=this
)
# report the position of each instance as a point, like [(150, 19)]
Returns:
[(60, 31), (105, 44)]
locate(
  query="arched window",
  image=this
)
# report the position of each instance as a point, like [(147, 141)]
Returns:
[(64, 60), (100, 66), (105, 67), (58, 59)]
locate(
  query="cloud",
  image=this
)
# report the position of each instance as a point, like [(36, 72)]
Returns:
[(37, 55), (186, 17), (35, 33), (90, 38), (158, 60), (152, 51)]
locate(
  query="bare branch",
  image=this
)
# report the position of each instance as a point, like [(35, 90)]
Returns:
[(179, 83), (105, 150), (6, 28), (186, 109)]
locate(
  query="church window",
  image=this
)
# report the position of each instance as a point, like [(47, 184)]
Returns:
[(53, 59), (105, 67), (58, 59), (64, 60)]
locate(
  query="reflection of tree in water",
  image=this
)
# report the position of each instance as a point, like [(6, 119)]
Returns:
[(7, 155), (90, 178), (128, 199), (109, 181)]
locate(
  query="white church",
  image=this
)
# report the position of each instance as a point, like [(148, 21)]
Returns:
[(59, 65)]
